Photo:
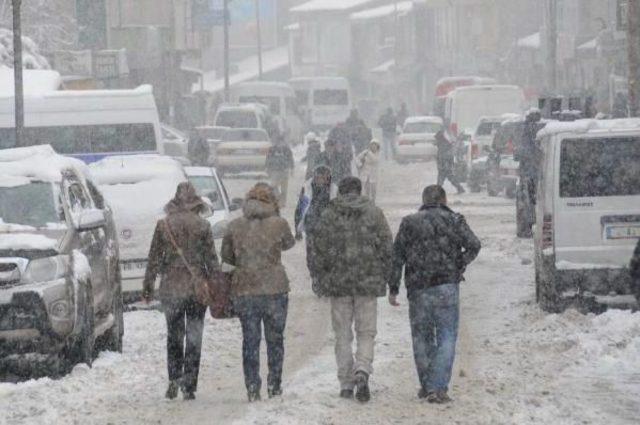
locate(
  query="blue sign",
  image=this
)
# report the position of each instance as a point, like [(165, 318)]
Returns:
[(206, 14)]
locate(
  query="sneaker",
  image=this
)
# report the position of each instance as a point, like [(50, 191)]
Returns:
[(363, 394), (439, 397), (348, 394), (274, 391), (172, 391)]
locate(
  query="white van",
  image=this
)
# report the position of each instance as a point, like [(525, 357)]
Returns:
[(587, 213), (247, 115), (466, 105), (326, 101), (281, 101), (86, 124)]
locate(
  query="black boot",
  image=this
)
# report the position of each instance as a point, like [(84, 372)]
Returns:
[(274, 391), (363, 394), (348, 394), (172, 391), (253, 394)]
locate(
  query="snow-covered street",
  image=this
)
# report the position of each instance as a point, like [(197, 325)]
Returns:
[(514, 365)]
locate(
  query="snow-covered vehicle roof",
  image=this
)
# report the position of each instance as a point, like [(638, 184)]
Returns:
[(131, 169), (329, 6), (591, 126), (423, 118), (37, 82), (36, 163)]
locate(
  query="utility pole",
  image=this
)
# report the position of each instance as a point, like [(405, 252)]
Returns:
[(17, 72), (633, 41), (552, 47), (259, 35), (226, 51)]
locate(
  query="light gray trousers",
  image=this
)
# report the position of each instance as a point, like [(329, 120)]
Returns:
[(347, 314)]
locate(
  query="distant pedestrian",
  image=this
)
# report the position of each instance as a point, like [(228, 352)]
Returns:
[(359, 134), (389, 125), (254, 244), (635, 271), (314, 199), (353, 260), (403, 114), (279, 166), (314, 150), (198, 150), (338, 157), (368, 164), (433, 246), (446, 159), (182, 244)]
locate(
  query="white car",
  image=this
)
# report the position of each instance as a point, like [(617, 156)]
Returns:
[(242, 149), (482, 137), (137, 187), (417, 140), (210, 187), (587, 213)]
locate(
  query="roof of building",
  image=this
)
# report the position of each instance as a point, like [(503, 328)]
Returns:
[(401, 7)]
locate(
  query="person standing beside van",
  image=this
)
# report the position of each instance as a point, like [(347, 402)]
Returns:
[(279, 166), (182, 244), (388, 124), (260, 286), (368, 164), (445, 160)]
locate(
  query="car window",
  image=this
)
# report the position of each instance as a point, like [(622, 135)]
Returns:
[(34, 204), (98, 199), (486, 128), (78, 199), (207, 186), (421, 127), (237, 119), (600, 167)]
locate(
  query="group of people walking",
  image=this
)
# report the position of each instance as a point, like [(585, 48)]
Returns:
[(352, 259)]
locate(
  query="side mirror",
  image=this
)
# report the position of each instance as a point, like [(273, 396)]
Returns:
[(90, 220), (236, 204)]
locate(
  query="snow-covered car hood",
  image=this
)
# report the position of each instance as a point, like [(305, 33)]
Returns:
[(30, 239)]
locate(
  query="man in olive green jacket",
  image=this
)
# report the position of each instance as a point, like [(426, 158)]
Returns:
[(353, 264)]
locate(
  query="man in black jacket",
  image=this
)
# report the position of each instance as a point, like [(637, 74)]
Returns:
[(434, 246), (279, 166), (635, 272)]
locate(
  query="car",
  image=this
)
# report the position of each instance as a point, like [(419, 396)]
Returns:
[(60, 288), (242, 149), (417, 139), (246, 115), (210, 187), (587, 214), (138, 187), (482, 137)]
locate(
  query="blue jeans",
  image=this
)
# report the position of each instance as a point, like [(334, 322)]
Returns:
[(434, 314), (253, 311)]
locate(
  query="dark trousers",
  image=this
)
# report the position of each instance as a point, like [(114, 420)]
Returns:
[(254, 311), (445, 173), (185, 320)]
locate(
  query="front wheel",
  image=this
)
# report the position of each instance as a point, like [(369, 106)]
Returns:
[(83, 345)]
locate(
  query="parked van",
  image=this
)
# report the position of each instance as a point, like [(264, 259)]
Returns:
[(466, 105), (325, 101), (86, 124), (281, 101), (587, 213)]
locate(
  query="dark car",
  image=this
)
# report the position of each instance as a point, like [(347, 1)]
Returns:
[(60, 291)]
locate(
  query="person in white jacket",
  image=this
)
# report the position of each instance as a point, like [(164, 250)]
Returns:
[(367, 164)]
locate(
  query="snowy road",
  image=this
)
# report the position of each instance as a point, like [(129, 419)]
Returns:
[(515, 365)]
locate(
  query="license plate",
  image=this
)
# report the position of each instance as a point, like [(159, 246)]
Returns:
[(623, 231), (133, 266)]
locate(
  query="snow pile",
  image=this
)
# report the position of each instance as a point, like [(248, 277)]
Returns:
[(81, 267), (37, 163), (27, 241), (36, 82), (31, 57)]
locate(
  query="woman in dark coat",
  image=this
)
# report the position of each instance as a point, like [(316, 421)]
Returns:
[(182, 244)]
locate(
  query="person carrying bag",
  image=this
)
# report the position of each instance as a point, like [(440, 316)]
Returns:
[(183, 254)]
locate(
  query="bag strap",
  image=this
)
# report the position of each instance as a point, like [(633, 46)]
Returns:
[(177, 248)]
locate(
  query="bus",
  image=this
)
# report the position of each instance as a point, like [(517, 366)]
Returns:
[(86, 124)]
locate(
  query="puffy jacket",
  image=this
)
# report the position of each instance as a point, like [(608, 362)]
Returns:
[(279, 159), (434, 246), (353, 249), (254, 245)]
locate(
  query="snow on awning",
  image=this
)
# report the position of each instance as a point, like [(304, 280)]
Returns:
[(384, 67), (329, 6), (589, 45), (530, 42), (383, 11), (292, 27)]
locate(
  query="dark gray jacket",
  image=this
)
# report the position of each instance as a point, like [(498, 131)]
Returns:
[(635, 270), (434, 246), (353, 246)]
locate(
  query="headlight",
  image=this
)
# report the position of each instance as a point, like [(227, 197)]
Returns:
[(219, 229), (46, 269)]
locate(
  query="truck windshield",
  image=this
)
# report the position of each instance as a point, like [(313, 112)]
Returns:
[(600, 167), (237, 119), (34, 204)]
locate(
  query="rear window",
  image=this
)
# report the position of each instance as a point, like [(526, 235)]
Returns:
[(237, 119), (487, 128), (600, 167), (421, 127), (330, 97)]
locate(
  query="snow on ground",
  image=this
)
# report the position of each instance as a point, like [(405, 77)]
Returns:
[(515, 365)]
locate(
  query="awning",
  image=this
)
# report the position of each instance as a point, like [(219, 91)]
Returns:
[(402, 7), (529, 42), (589, 45), (384, 67)]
